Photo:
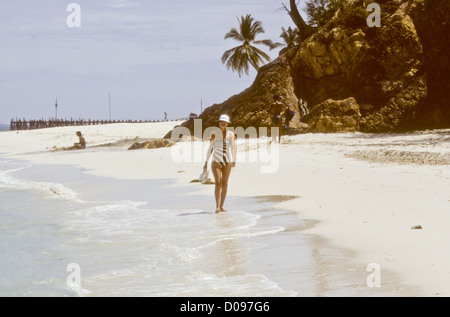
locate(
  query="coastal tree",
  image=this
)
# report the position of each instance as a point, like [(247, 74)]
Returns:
[(304, 29), (321, 11), (241, 57), (291, 37), (318, 11)]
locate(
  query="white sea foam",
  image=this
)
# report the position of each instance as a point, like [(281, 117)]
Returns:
[(53, 190), (127, 248), (162, 252)]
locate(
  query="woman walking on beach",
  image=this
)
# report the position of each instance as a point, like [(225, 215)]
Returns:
[(222, 147)]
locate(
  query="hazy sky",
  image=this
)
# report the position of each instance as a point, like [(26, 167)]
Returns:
[(152, 56)]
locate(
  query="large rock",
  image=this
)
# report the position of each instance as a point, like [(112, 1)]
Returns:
[(250, 108), (398, 74), (334, 116), (382, 68), (432, 21), (398, 114)]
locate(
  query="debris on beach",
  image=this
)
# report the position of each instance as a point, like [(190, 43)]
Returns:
[(153, 144)]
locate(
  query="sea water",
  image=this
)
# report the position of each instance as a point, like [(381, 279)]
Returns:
[(65, 233), (33, 243), (121, 247)]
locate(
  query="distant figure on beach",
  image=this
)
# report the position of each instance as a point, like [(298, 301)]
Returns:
[(277, 109), (288, 115), (165, 116), (303, 107), (81, 145), (222, 147)]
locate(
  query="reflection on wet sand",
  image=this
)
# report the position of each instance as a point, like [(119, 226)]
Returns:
[(232, 253)]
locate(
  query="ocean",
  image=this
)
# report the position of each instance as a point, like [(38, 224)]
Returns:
[(64, 232)]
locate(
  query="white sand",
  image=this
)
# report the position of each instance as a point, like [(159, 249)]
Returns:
[(366, 191)]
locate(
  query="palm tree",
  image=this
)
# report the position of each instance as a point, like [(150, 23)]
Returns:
[(290, 37), (239, 58), (305, 30)]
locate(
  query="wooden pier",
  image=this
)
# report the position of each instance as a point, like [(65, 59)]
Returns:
[(23, 124)]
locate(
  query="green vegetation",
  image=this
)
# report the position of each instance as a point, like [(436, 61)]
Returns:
[(291, 37), (321, 11), (241, 57)]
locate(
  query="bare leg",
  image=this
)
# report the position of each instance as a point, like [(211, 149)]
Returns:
[(275, 135), (225, 176), (217, 173), (280, 129)]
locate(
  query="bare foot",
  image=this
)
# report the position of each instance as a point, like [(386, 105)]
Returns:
[(217, 210), (223, 209)]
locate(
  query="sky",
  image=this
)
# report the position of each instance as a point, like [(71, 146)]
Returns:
[(151, 56)]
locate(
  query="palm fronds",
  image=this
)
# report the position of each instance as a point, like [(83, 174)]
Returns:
[(240, 57)]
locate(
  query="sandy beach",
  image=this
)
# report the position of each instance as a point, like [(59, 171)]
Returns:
[(365, 193)]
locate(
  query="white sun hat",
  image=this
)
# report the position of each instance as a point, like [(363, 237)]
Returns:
[(224, 118)]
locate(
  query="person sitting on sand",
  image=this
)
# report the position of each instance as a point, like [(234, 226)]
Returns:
[(81, 145), (223, 149)]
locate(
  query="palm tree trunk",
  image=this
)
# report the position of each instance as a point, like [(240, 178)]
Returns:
[(305, 29)]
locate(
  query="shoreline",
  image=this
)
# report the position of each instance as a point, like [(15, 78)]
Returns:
[(367, 208), (72, 184), (300, 254)]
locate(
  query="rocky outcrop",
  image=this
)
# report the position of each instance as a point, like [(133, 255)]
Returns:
[(391, 78), (334, 116), (382, 68), (251, 107), (432, 21)]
